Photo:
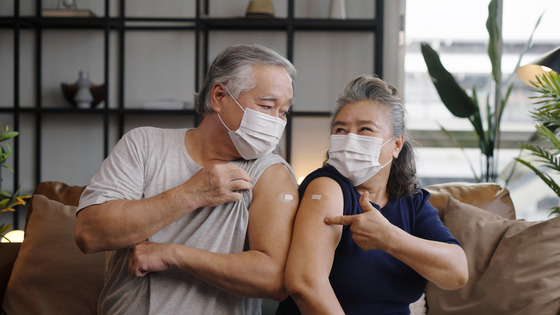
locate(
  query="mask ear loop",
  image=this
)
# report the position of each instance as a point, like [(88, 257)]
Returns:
[(233, 98), (387, 141), (391, 156), (223, 123)]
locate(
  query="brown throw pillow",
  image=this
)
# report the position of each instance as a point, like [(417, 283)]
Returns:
[(51, 275), (514, 265)]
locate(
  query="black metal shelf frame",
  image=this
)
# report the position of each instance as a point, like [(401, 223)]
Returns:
[(201, 24)]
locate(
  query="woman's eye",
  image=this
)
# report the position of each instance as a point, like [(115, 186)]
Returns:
[(339, 130)]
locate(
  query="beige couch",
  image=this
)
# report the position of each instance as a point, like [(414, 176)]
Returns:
[(514, 265)]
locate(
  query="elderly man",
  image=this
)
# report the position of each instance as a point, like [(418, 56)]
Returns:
[(199, 220)]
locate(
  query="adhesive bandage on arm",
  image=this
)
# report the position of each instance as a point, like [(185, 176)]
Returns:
[(286, 197)]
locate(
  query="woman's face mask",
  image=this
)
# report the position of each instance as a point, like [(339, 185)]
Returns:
[(257, 135), (356, 157)]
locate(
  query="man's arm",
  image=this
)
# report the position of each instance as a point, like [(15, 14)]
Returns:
[(258, 272), (119, 224)]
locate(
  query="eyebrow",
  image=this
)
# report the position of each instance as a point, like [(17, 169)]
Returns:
[(360, 122), (274, 98), (268, 98)]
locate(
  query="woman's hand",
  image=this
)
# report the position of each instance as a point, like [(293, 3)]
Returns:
[(443, 264), (370, 230)]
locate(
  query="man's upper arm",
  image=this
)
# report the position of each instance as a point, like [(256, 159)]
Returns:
[(272, 211)]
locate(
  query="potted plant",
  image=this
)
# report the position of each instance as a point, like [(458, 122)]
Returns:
[(8, 201), (486, 120), (547, 117)]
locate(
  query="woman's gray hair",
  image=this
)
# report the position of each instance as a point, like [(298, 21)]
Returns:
[(234, 67), (402, 179)]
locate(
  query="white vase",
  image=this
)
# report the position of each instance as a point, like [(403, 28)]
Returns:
[(337, 9), (83, 97)]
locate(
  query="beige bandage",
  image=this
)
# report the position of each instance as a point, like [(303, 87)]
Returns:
[(286, 197), (315, 197)]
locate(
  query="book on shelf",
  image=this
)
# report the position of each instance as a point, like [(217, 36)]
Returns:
[(67, 13)]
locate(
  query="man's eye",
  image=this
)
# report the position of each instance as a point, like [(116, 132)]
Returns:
[(339, 130), (266, 107)]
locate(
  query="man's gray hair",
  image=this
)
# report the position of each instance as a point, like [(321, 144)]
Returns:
[(234, 68)]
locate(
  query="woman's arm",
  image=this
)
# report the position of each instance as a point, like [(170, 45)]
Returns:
[(312, 250), (443, 264)]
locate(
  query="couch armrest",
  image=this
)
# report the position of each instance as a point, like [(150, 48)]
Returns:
[(8, 255)]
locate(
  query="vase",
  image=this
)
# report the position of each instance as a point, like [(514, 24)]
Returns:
[(83, 97), (337, 9)]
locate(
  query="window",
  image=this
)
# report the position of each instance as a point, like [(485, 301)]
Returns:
[(457, 30)]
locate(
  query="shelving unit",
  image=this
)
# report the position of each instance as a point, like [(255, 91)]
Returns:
[(115, 27)]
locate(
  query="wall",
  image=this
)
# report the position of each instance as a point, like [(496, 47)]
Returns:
[(160, 65)]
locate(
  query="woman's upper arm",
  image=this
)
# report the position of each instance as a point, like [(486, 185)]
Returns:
[(314, 242)]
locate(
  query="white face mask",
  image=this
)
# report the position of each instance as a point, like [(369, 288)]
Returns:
[(356, 157), (257, 135)]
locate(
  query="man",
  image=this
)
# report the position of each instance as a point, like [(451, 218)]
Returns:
[(199, 221)]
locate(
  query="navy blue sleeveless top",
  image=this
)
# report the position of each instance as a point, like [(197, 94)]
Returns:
[(374, 282)]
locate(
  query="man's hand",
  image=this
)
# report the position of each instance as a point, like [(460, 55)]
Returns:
[(370, 230), (148, 257), (217, 184)]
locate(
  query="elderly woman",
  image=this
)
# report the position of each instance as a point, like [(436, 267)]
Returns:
[(366, 238)]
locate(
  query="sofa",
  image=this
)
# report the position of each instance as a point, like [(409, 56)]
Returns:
[(514, 265)]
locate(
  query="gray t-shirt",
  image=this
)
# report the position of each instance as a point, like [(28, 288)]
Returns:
[(144, 163)]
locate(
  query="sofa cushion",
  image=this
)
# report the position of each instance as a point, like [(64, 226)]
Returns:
[(513, 265), (58, 191), (487, 196), (51, 275)]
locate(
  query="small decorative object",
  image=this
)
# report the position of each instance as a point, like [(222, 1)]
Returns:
[(67, 5), (260, 8), (337, 9), (67, 8), (8, 201), (83, 97), (69, 91)]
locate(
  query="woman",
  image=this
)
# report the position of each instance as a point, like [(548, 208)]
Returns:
[(365, 236)]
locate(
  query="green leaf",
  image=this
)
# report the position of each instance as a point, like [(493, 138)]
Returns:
[(494, 49), (452, 95), (526, 48), (3, 229), (543, 176)]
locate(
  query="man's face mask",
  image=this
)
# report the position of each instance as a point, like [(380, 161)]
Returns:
[(257, 135)]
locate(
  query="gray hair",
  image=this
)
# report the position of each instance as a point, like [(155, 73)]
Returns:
[(402, 179), (234, 67)]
